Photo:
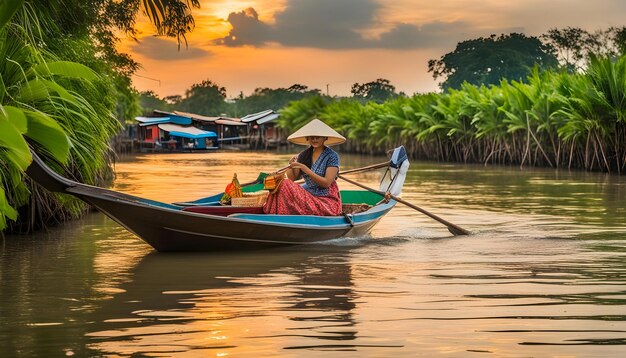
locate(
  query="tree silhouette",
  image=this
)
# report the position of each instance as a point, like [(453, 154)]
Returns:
[(492, 59)]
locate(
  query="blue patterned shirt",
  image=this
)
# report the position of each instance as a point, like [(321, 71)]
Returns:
[(328, 158)]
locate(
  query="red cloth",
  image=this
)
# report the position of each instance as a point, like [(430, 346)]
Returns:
[(292, 199), (224, 210)]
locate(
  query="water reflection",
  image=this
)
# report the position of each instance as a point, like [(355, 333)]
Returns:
[(232, 303), (52, 282)]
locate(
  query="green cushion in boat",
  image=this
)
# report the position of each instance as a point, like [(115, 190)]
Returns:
[(347, 196), (255, 187), (360, 197), (252, 188)]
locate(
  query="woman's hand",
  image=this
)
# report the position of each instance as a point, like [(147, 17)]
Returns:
[(297, 165), (294, 168)]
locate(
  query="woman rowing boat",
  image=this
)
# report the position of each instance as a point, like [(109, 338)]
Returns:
[(318, 165)]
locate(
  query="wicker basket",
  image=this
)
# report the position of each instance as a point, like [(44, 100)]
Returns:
[(354, 208), (256, 198)]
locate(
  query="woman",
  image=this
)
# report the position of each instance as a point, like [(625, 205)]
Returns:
[(319, 166)]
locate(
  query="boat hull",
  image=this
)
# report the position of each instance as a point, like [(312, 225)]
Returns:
[(166, 227), (173, 230)]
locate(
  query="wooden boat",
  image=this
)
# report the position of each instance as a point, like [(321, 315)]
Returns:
[(204, 225)]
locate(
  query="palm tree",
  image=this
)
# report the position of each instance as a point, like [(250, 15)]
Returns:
[(584, 110), (483, 105), (299, 113), (609, 80), (388, 126)]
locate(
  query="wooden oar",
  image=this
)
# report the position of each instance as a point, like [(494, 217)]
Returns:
[(364, 169), (349, 171), (454, 229)]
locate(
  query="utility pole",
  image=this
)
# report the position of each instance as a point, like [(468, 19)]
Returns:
[(328, 84)]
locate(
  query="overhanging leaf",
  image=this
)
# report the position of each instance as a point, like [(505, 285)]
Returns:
[(8, 8), (47, 132), (15, 116), (62, 92), (34, 90), (15, 146), (67, 69)]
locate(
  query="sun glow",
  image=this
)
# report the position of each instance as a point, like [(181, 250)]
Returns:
[(291, 53)]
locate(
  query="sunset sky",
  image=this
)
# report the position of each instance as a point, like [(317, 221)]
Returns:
[(331, 44)]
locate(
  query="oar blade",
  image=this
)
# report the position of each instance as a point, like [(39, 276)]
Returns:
[(454, 229), (457, 231)]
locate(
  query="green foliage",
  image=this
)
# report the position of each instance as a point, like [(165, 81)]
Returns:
[(205, 98), (128, 105), (298, 113), (6, 209), (609, 79), (575, 46), (569, 44), (376, 91), (486, 61), (208, 98), (149, 101), (8, 8), (268, 98), (549, 119), (40, 103), (171, 17)]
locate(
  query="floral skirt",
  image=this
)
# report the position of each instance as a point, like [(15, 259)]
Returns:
[(292, 199)]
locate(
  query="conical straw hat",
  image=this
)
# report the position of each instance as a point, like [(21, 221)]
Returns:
[(316, 128)]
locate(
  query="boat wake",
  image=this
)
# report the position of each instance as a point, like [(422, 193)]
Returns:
[(369, 240), (421, 233), (347, 241), (391, 240)]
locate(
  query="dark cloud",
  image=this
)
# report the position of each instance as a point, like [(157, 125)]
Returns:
[(324, 23), (162, 49), (434, 34), (333, 24), (247, 29)]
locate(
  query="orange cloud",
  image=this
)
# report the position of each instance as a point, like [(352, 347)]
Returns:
[(340, 42)]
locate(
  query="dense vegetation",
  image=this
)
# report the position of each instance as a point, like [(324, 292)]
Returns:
[(63, 86), (488, 60), (208, 98), (552, 119)]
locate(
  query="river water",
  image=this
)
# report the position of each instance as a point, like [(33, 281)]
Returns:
[(542, 275)]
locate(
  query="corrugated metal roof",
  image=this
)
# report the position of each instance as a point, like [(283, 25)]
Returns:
[(268, 118), (198, 117), (148, 121), (255, 116), (229, 122), (171, 118), (186, 132)]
